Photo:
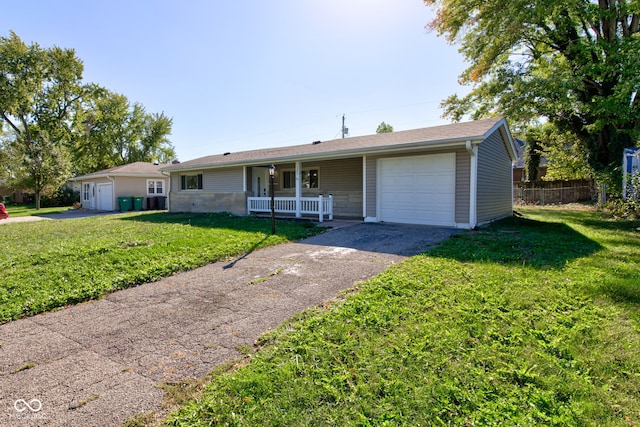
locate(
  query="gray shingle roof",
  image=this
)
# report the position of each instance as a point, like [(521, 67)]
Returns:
[(457, 132), (131, 169)]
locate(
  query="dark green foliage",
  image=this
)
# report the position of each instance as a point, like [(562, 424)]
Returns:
[(575, 64)]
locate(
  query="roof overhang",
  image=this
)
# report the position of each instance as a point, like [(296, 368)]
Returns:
[(116, 175), (332, 155)]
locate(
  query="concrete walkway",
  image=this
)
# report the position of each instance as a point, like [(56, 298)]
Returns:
[(99, 363)]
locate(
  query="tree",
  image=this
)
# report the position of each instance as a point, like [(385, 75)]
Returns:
[(113, 132), (575, 63), (564, 153), (40, 90), (384, 128), (532, 154)]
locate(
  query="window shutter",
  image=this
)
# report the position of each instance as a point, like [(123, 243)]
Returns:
[(183, 182), (199, 181)]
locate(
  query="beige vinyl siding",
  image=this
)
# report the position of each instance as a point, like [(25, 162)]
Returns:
[(340, 175), (174, 178), (225, 180), (494, 196), (340, 178), (371, 177)]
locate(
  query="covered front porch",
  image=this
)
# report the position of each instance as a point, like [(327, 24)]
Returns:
[(321, 189)]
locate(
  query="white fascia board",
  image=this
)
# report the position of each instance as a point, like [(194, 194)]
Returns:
[(332, 155)]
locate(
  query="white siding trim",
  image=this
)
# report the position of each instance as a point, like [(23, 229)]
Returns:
[(473, 184), (364, 187), (244, 179), (299, 188)]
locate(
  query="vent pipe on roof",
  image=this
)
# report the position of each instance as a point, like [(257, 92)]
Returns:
[(226, 154), (316, 142)]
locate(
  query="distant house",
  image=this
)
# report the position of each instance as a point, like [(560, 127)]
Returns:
[(8, 194), (100, 190), (519, 168), (457, 175)]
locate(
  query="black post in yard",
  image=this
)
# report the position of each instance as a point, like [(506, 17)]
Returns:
[(272, 171)]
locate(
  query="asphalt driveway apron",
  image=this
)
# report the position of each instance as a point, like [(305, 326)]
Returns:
[(99, 363)]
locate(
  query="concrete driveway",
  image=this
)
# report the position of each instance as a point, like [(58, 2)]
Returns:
[(99, 363)]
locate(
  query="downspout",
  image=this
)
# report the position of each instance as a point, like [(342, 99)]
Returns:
[(364, 187), (473, 184), (168, 191)]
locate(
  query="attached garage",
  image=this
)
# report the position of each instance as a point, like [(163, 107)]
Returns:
[(457, 175), (418, 190)]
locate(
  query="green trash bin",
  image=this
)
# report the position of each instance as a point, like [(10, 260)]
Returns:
[(124, 203), (137, 203)]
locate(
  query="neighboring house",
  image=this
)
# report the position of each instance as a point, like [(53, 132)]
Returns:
[(8, 195), (100, 190), (457, 175), (519, 172)]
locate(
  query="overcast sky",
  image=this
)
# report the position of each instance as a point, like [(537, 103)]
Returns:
[(243, 74)]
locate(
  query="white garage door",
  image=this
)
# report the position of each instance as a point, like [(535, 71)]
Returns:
[(105, 197), (417, 190)]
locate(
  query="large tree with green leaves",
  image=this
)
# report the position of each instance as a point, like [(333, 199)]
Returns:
[(575, 63), (40, 90), (113, 132), (57, 126)]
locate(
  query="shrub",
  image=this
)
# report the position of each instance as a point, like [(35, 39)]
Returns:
[(622, 209)]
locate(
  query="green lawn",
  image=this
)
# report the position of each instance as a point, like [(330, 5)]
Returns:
[(530, 321), (30, 210), (50, 264)]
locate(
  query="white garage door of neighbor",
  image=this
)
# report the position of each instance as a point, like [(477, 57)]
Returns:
[(418, 190), (105, 197)]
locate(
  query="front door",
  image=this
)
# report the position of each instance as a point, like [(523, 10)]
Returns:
[(260, 182)]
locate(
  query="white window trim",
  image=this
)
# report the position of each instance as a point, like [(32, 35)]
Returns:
[(86, 189), (155, 187)]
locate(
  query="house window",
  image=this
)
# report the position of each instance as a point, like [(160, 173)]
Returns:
[(309, 178), (191, 182), (155, 187), (85, 192)]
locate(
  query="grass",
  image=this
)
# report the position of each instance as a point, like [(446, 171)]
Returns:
[(50, 264), (530, 321), (16, 210)]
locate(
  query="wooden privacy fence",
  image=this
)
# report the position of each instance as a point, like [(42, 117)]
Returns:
[(553, 192)]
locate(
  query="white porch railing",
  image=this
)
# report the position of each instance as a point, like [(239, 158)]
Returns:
[(321, 206)]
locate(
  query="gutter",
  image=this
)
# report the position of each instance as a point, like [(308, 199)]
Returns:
[(324, 155), (168, 190)]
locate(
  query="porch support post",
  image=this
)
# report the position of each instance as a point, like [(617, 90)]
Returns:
[(298, 189), (364, 187)]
